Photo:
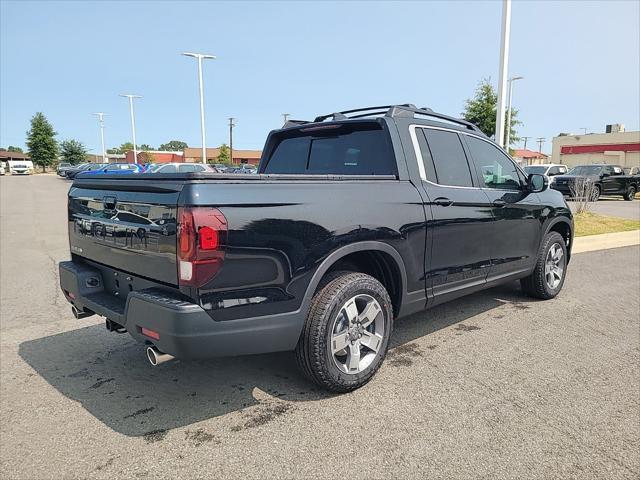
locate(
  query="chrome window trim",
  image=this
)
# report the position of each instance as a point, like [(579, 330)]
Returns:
[(418, 153)]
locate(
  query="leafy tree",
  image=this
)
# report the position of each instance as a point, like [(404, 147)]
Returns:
[(146, 157), (73, 151), (41, 141), (2, 149), (14, 149), (144, 147), (224, 156), (173, 146), (481, 110), (122, 149)]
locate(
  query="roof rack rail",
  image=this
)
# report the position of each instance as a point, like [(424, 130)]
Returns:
[(343, 115), (395, 111), (402, 110)]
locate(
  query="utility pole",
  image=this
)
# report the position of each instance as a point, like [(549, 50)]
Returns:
[(540, 142), (504, 68), (200, 57), (285, 117), (133, 123), (585, 130), (525, 141), (231, 125), (100, 116)]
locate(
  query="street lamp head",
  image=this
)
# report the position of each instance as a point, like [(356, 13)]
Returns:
[(129, 95), (199, 55), (515, 78)]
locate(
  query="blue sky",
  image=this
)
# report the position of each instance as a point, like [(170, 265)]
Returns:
[(580, 61)]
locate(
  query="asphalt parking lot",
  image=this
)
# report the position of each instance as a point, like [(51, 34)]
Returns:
[(615, 207), (495, 385)]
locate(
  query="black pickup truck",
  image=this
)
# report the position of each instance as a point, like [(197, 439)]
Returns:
[(603, 180), (353, 220)]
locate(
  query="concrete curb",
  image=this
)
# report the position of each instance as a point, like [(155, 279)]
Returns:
[(605, 241)]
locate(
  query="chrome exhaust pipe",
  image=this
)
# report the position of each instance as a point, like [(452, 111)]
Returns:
[(80, 314), (156, 357)]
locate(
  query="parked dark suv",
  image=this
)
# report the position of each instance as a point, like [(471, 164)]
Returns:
[(354, 219)]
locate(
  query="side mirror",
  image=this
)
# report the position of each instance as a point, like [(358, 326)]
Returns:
[(604, 174), (537, 183)]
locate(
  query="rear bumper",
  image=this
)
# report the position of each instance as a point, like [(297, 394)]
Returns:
[(185, 329)]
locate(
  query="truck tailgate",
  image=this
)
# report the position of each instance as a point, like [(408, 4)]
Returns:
[(132, 229)]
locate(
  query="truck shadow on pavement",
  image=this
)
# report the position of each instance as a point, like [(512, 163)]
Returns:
[(108, 374)]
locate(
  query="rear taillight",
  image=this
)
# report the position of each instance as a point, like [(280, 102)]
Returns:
[(202, 233)]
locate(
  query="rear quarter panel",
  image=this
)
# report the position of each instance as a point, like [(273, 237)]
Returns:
[(279, 234)]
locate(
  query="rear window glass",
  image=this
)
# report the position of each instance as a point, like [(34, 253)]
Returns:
[(347, 149), (449, 159)]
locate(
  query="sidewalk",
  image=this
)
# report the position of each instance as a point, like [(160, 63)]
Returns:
[(605, 241)]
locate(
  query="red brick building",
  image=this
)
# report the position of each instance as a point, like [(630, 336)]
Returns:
[(153, 156)]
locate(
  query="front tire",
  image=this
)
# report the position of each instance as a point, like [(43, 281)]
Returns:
[(346, 334), (630, 194), (595, 194), (547, 278)]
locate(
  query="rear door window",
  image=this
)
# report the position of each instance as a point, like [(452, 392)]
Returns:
[(451, 167), (341, 149)]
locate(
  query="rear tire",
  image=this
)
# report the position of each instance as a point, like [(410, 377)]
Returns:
[(630, 194), (547, 278), (346, 335)]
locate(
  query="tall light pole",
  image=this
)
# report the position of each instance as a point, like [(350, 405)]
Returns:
[(133, 123), (231, 125), (507, 141), (100, 116), (504, 68), (200, 57), (285, 117)]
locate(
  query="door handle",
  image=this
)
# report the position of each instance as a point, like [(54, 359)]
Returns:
[(499, 203), (443, 201)]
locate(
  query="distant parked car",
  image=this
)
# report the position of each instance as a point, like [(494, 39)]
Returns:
[(125, 168), (62, 168), (246, 168), (2, 168), (20, 167), (605, 180), (550, 170), (84, 167), (182, 168)]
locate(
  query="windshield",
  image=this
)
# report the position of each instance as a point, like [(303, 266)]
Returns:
[(586, 170), (538, 170)]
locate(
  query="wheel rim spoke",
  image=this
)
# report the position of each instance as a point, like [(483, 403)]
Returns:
[(371, 341), (339, 342), (371, 311), (353, 358), (351, 310)]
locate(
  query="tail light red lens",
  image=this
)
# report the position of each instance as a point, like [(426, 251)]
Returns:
[(202, 233)]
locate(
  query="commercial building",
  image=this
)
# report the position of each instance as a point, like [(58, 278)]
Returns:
[(194, 154), (6, 156), (528, 157), (616, 147), (155, 156), (111, 158)]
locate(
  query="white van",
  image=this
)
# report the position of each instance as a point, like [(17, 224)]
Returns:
[(3, 168), (20, 167)]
